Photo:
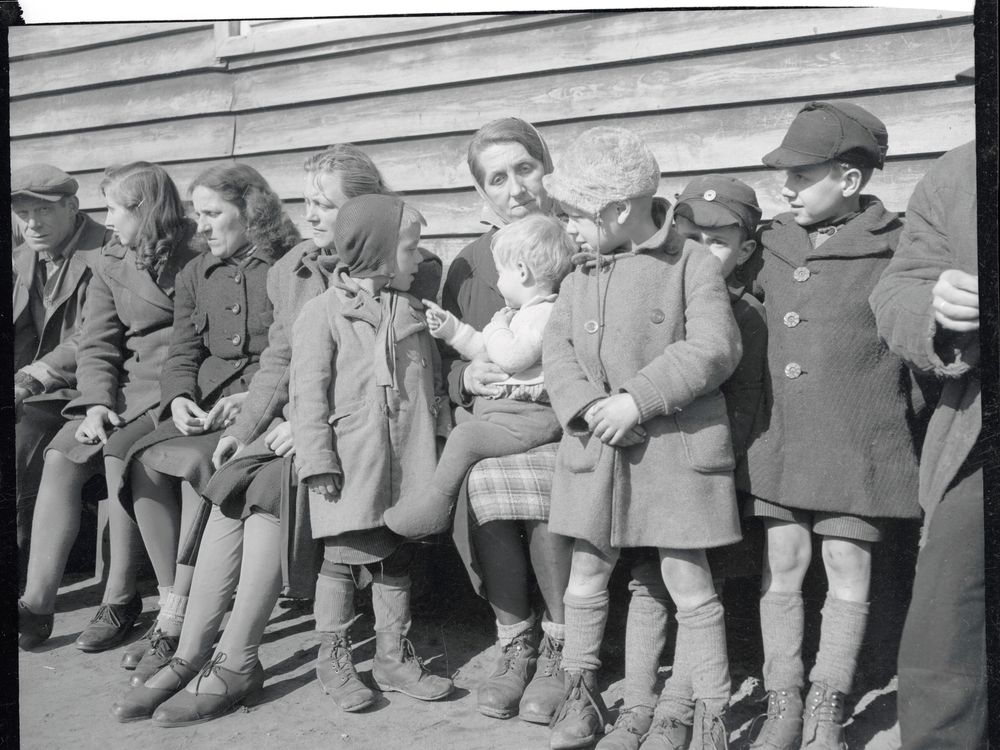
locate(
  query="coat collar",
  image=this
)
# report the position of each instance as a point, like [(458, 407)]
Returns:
[(258, 255), (357, 304), (863, 236), (159, 292)]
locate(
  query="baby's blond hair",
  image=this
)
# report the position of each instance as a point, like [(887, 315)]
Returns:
[(541, 243)]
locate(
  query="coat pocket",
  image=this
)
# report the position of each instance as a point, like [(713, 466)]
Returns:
[(579, 454), (704, 429)]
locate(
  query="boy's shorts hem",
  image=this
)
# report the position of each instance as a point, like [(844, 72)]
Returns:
[(822, 522)]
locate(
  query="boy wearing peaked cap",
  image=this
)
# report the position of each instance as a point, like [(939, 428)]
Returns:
[(836, 457), (640, 339)]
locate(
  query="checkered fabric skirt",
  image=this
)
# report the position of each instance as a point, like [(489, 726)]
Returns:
[(513, 488)]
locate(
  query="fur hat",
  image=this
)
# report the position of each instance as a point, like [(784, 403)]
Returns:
[(367, 233), (602, 166)]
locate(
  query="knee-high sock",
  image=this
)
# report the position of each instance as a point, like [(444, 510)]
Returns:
[(701, 632), (334, 603), (782, 618), (586, 617), (840, 639), (391, 603), (645, 637)]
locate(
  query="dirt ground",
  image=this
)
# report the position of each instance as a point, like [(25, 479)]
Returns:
[(65, 695)]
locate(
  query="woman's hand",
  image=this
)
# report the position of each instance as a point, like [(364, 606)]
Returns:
[(227, 449), (328, 485), (279, 439), (224, 412), (95, 425), (613, 418), (479, 377), (955, 299), (187, 416)]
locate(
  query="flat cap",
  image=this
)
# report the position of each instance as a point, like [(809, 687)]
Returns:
[(42, 181), (823, 131)]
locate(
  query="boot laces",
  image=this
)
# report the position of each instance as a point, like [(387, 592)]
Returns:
[(410, 654), (108, 613), (340, 655), (577, 697), (552, 653), (626, 720), (213, 666), (159, 643), (669, 728), (827, 706)]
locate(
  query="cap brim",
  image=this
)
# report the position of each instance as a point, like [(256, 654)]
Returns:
[(31, 194), (710, 213), (783, 158)]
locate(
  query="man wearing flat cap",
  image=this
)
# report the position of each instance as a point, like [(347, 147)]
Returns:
[(51, 273)]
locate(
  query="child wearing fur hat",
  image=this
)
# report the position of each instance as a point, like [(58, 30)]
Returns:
[(721, 213), (640, 340), (532, 257), (365, 395), (836, 456)]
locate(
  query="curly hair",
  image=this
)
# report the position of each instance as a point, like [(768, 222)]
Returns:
[(146, 191), (268, 226), (538, 241), (358, 173)]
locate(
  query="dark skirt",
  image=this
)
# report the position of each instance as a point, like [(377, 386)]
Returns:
[(118, 445)]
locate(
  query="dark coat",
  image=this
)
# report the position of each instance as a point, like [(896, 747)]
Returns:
[(128, 318), (940, 234), (838, 438), (57, 346), (379, 439), (665, 334)]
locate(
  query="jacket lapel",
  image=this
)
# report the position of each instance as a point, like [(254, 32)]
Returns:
[(861, 237), (136, 280), (24, 261)]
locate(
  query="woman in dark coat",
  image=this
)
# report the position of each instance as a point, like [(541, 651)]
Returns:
[(127, 321), (221, 317)]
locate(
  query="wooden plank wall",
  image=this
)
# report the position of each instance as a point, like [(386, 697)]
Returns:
[(709, 90)]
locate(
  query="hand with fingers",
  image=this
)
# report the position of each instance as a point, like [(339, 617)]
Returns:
[(615, 421), (279, 439), (224, 412), (227, 449), (327, 485), (955, 299), (97, 425), (188, 417)]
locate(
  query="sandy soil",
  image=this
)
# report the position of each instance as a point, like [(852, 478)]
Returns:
[(65, 695)]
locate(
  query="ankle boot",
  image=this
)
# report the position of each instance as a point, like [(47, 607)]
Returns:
[(823, 723), (337, 676), (668, 733), (499, 695), (709, 731), (630, 727), (579, 719), (782, 727), (545, 691), (398, 668)]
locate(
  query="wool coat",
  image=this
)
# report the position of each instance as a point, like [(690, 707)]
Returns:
[(656, 323), (58, 342), (377, 432), (940, 234), (128, 318), (845, 411)]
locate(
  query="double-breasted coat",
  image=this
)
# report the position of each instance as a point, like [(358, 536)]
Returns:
[(656, 323), (845, 411)]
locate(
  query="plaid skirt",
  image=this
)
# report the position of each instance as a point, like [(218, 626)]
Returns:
[(513, 488)]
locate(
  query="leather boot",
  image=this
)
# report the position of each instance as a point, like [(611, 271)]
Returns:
[(668, 733), (823, 722), (337, 676), (185, 709), (110, 625), (33, 629), (140, 702), (499, 695), (630, 727), (709, 731), (782, 727), (161, 650), (542, 696), (398, 668), (579, 719)]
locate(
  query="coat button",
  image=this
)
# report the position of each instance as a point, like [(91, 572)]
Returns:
[(236, 339), (791, 319), (236, 308), (793, 370), (590, 326), (657, 316), (238, 277), (801, 273)]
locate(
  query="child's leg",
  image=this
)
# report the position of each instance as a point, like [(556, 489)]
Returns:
[(788, 549)]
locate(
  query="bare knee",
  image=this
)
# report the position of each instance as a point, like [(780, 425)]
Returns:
[(789, 550), (847, 563), (590, 570)]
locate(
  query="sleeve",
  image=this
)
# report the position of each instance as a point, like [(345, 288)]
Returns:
[(704, 359), (57, 368), (568, 386), (268, 392), (100, 355), (519, 347), (314, 351), (454, 299), (744, 390), (902, 297), (187, 349), (465, 340)]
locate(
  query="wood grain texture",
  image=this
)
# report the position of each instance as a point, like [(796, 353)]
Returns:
[(51, 40), (815, 70), (140, 58), (584, 40)]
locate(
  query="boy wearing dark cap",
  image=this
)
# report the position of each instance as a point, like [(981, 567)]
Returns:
[(51, 274), (836, 455), (721, 213)]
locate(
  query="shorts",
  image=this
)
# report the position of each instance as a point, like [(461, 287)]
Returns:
[(821, 522)]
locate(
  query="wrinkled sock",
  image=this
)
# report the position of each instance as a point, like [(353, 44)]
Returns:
[(840, 640), (163, 591), (782, 621), (585, 620), (391, 603), (554, 630), (645, 637), (507, 633), (333, 606), (701, 632), (171, 616)]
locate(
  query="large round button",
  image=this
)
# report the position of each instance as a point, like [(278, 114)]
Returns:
[(590, 326), (801, 273), (236, 339), (793, 370), (791, 319), (657, 316), (236, 308)]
